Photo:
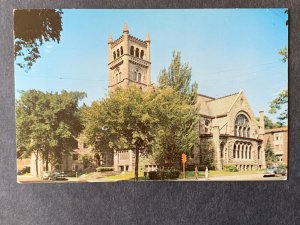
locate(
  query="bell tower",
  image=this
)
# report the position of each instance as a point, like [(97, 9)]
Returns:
[(128, 61)]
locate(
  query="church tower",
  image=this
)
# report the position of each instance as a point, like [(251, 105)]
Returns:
[(128, 61)]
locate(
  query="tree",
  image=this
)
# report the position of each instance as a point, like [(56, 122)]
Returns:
[(175, 132), (278, 103), (282, 99), (269, 124), (178, 76), (269, 154), (47, 124), (33, 27), (121, 122)]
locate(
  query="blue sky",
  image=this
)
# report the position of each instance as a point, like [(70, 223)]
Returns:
[(228, 49)]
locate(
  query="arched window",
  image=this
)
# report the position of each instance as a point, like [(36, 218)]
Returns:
[(142, 54), (246, 151), (241, 126), (242, 151), (131, 50), (249, 151), (206, 126), (118, 53), (118, 75), (258, 152), (137, 52), (234, 151), (121, 50), (238, 151), (222, 147), (137, 75), (114, 55)]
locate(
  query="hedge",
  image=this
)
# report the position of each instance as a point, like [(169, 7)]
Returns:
[(164, 174)]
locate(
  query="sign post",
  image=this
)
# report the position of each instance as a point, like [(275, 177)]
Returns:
[(183, 159)]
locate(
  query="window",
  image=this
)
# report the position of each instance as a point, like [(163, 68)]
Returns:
[(137, 51), (118, 53), (258, 153), (222, 148), (206, 126), (75, 157), (121, 50), (114, 55), (142, 54), (74, 167), (137, 75), (249, 152), (118, 75), (241, 126), (234, 151), (131, 50)]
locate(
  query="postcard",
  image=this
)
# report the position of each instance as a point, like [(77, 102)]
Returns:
[(105, 95)]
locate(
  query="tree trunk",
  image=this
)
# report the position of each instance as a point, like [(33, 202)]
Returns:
[(47, 161), (136, 168), (36, 163)]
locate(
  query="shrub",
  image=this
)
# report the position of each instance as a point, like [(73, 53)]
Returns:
[(104, 169), (230, 168), (164, 174)]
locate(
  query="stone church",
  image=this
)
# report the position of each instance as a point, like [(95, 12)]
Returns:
[(228, 127)]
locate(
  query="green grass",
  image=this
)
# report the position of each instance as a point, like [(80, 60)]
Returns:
[(125, 176)]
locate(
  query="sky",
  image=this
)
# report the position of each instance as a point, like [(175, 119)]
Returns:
[(228, 49)]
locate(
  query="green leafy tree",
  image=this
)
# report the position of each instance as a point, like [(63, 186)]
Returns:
[(269, 154), (86, 161), (47, 124), (121, 122), (175, 131), (269, 124), (33, 27), (178, 76), (278, 103)]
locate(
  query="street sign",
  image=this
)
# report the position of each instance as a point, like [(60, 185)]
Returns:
[(183, 158)]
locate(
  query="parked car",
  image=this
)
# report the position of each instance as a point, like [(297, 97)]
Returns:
[(26, 169), (46, 175), (58, 176), (273, 171)]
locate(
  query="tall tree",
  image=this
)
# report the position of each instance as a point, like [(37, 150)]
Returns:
[(178, 76), (269, 154), (47, 124), (175, 131), (33, 27), (278, 103), (121, 122)]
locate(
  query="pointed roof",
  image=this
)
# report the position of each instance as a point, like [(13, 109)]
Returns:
[(215, 107), (147, 37), (125, 28), (110, 40)]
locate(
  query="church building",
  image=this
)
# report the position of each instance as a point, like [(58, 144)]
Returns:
[(228, 127)]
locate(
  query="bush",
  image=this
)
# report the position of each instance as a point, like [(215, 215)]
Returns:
[(230, 168), (164, 174), (104, 169)]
